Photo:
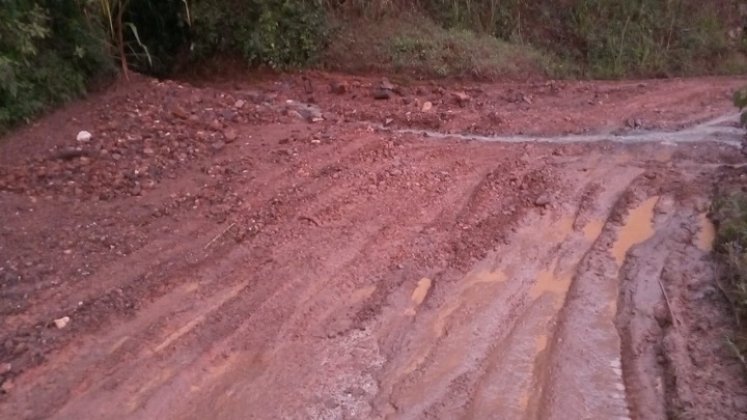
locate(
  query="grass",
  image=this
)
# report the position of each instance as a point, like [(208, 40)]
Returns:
[(730, 215), (416, 46)]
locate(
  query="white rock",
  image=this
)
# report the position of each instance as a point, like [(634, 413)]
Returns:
[(62, 322), (84, 136)]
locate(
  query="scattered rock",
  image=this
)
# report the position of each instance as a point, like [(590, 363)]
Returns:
[(61, 323), (239, 104), (386, 84), (543, 200), (179, 112), (84, 136), (218, 145), (462, 98), (633, 123), (308, 112), (294, 114), (381, 94), (427, 106), (7, 386), (230, 135), (5, 368), (338, 88)]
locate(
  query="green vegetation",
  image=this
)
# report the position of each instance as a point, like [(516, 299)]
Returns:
[(730, 214), (276, 33), (50, 50), (602, 38), (418, 47)]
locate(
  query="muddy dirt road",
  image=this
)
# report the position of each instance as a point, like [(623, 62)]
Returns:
[(281, 249)]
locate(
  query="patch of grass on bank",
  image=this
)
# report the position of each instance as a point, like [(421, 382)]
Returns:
[(416, 46), (730, 215)]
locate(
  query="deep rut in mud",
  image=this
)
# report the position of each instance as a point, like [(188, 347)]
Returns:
[(359, 272)]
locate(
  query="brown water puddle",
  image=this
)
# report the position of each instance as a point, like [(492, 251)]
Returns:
[(638, 228), (470, 290), (706, 234), (593, 229), (550, 282), (419, 294)]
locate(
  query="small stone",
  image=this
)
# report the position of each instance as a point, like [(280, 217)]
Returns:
[(149, 151), (386, 84), (338, 88), (239, 104), (462, 98), (61, 323), (382, 94), (230, 135), (7, 386), (5, 368), (218, 145), (294, 114), (388, 122), (543, 200), (179, 112), (228, 115), (427, 106), (84, 136)]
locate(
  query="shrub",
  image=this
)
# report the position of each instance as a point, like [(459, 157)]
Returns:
[(730, 215), (276, 33), (48, 51)]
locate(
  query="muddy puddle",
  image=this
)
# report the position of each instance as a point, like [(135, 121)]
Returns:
[(721, 130)]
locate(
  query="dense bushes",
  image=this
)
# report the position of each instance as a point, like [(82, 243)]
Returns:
[(48, 51), (730, 214), (278, 33)]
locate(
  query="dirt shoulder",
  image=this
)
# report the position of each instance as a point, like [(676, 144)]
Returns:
[(284, 248)]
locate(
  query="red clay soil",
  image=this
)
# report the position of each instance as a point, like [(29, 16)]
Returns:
[(284, 249)]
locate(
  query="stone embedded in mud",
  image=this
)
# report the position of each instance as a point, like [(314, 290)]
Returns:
[(294, 114), (461, 98), (7, 386), (218, 145), (338, 88), (179, 112), (382, 94), (543, 200), (230, 134), (427, 106)]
